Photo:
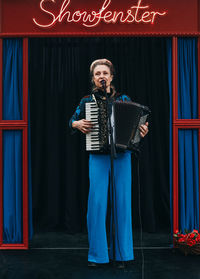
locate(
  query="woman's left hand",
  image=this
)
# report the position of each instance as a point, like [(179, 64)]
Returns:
[(144, 129)]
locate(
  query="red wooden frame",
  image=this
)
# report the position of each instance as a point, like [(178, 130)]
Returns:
[(1, 149), (175, 131), (1, 76), (198, 73), (181, 124), (198, 13), (23, 125), (25, 142)]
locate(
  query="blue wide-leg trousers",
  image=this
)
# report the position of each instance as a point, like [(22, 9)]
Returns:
[(99, 171)]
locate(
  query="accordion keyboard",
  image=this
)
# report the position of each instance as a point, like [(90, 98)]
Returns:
[(92, 138)]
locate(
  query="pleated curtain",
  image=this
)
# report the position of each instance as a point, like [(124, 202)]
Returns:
[(188, 138), (12, 145)]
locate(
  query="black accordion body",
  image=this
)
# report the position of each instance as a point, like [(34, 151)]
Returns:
[(126, 118)]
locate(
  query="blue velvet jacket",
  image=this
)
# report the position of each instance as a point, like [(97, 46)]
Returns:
[(80, 110)]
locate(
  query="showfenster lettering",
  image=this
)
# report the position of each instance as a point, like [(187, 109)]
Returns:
[(135, 14)]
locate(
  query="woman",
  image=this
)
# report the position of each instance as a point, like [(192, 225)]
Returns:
[(99, 169)]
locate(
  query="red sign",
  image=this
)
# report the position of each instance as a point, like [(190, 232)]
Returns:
[(99, 17), (135, 14)]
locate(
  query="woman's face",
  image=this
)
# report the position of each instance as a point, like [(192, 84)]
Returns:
[(102, 72)]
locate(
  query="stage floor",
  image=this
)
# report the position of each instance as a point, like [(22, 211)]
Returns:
[(64, 240), (58, 255)]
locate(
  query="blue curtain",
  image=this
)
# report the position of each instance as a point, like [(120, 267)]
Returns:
[(169, 57), (12, 187), (188, 139), (187, 83), (12, 143)]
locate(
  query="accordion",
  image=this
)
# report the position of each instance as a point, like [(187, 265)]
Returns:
[(126, 118)]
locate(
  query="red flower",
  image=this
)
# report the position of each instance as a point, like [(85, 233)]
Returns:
[(191, 242), (180, 235), (180, 240), (190, 239), (191, 235), (198, 238)]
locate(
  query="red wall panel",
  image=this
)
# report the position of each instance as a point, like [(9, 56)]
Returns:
[(181, 16), (198, 12)]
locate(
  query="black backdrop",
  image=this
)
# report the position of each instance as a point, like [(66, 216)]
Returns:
[(58, 78)]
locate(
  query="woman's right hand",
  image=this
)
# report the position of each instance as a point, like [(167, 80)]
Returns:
[(83, 125)]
